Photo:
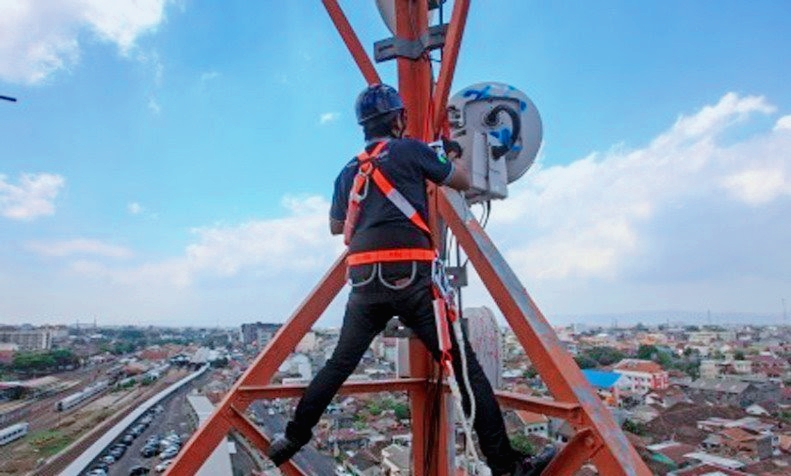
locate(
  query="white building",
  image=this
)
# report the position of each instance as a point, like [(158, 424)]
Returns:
[(307, 344), (641, 376), (36, 339), (534, 423)]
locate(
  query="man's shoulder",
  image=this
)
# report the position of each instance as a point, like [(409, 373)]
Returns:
[(351, 164), (408, 143), (348, 170)]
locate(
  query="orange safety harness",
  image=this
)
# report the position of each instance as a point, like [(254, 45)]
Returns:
[(445, 311), (444, 301)]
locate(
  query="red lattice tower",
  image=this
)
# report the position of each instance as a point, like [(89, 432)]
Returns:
[(597, 440)]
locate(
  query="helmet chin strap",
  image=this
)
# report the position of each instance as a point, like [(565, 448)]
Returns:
[(399, 126)]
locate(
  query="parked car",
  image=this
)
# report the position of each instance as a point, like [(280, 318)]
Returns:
[(161, 467), (128, 439), (96, 472), (169, 453), (137, 470), (108, 459), (149, 451)]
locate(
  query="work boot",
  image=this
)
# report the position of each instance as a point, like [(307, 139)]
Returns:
[(282, 449), (535, 465)]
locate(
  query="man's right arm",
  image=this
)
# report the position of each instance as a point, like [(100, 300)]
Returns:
[(338, 207), (459, 178)]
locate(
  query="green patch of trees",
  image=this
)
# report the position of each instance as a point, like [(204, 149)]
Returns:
[(39, 362), (522, 444), (634, 427)]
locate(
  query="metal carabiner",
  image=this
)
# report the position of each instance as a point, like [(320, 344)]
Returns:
[(359, 197)]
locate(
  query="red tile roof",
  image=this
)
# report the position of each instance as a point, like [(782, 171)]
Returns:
[(737, 434), (704, 469), (636, 365), (530, 418)]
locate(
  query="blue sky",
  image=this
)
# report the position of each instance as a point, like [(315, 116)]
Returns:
[(170, 162)]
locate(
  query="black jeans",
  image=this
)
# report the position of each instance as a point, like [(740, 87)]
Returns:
[(367, 312)]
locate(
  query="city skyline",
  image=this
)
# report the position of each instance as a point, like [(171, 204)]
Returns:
[(169, 160)]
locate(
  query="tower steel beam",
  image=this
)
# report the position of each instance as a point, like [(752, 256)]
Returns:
[(260, 372), (557, 369), (352, 42)]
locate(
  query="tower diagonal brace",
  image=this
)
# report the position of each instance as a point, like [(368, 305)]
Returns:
[(557, 369), (260, 372)]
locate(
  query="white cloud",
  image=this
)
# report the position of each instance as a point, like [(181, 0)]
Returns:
[(329, 117), (590, 219), (134, 208), (33, 196), (692, 220), (208, 76), (154, 106), (758, 186), (783, 124), (40, 37), (258, 268), (297, 243), (83, 247)]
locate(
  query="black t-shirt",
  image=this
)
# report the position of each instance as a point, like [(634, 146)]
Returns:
[(407, 164)]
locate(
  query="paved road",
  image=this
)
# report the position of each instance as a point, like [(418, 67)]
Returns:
[(176, 417)]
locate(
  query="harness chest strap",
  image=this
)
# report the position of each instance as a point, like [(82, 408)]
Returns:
[(367, 170)]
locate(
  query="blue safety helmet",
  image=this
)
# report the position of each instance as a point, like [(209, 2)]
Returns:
[(377, 100)]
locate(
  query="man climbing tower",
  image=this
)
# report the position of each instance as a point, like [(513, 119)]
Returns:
[(380, 206)]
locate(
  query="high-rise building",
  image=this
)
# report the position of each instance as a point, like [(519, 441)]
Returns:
[(260, 332), (33, 339)]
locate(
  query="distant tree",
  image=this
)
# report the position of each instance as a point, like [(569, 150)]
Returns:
[(605, 355), (531, 372), (64, 357), (219, 363), (739, 355), (401, 411), (637, 428), (522, 444), (691, 328), (640, 327), (375, 409), (33, 362), (131, 334), (585, 362), (647, 352)]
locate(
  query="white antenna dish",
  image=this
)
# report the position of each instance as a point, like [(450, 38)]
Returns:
[(500, 132), (387, 10)]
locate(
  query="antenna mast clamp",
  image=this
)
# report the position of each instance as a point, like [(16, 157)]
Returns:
[(395, 47)]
